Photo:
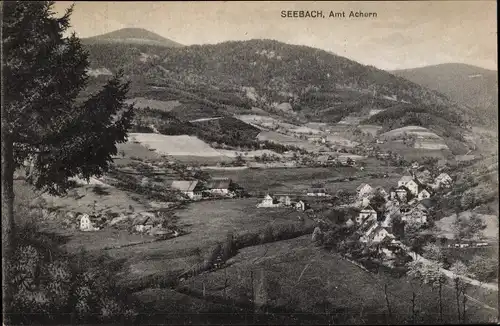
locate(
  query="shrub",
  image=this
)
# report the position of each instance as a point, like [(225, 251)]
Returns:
[(47, 288), (267, 235)]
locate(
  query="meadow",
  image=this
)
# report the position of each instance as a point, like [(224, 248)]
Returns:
[(297, 181), (294, 275)]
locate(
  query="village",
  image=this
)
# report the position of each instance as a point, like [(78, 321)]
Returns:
[(375, 221)]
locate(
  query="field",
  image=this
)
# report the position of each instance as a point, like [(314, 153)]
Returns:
[(175, 145), (206, 223), (165, 106), (444, 225), (371, 129), (131, 149), (411, 130), (89, 198), (283, 139), (296, 181), (296, 275), (414, 154), (337, 140)]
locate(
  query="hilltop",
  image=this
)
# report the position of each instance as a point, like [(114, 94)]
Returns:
[(132, 36), (468, 85), (297, 83)]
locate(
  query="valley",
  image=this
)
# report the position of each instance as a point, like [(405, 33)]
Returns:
[(259, 182)]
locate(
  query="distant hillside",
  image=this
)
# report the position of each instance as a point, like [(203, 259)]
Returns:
[(300, 83), (468, 85), (132, 36)]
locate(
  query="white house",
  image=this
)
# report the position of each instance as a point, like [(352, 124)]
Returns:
[(300, 205), (380, 234), (364, 190), (349, 222), (415, 216), (366, 213), (409, 183), (375, 234), (424, 194), (86, 223), (268, 201), (443, 181)]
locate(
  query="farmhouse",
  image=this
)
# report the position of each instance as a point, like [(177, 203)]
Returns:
[(423, 177), (300, 205), (365, 214), (189, 188), (317, 192), (268, 201), (373, 232), (285, 200), (415, 216), (423, 194), (364, 190), (87, 223), (219, 186), (443, 181), (401, 194), (408, 182)]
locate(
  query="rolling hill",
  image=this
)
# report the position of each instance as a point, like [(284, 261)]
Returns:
[(132, 36), (297, 83), (468, 85)]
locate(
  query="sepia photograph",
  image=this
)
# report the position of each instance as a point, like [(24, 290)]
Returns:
[(249, 163)]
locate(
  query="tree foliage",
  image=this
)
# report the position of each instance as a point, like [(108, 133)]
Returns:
[(45, 121), (465, 228), (61, 134)]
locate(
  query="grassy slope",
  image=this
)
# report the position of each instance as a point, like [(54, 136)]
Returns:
[(303, 277)]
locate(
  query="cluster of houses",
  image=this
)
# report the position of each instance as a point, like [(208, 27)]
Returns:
[(410, 201), (282, 201), (196, 190)]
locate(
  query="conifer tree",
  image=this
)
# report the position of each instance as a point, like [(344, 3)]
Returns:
[(45, 120)]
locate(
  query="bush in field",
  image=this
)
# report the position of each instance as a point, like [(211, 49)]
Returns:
[(267, 235), (213, 257), (317, 236), (484, 267)]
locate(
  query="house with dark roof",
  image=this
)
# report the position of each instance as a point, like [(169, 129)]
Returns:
[(402, 194), (317, 192), (423, 194), (408, 182), (366, 213), (190, 188), (364, 190), (218, 186)]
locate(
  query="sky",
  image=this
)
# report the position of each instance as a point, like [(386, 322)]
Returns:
[(403, 35)]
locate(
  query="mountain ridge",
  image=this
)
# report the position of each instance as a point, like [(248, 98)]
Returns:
[(133, 36), (294, 81), (472, 86)]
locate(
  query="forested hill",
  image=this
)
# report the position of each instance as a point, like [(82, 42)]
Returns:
[(295, 81), (472, 86)]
